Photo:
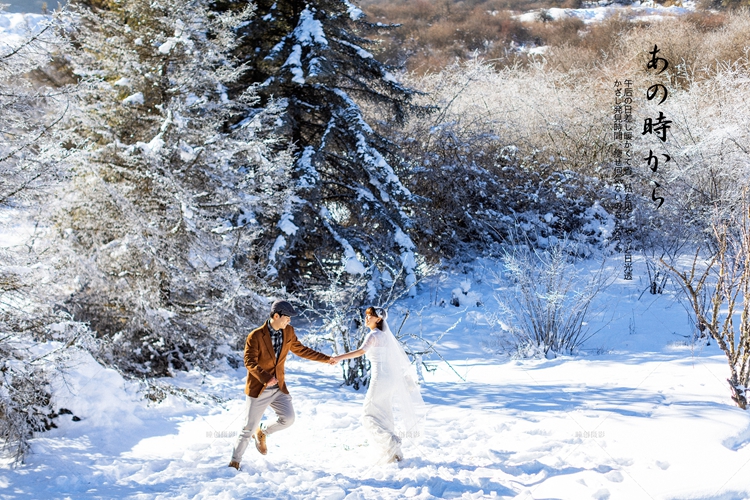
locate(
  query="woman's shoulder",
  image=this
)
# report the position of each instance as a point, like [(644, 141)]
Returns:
[(372, 339)]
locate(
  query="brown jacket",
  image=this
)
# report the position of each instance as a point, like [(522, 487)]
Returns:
[(261, 363)]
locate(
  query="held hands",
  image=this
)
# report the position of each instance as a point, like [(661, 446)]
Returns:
[(272, 382), (334, 360)]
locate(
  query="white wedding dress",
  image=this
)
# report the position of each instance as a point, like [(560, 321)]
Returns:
[(393, 407)]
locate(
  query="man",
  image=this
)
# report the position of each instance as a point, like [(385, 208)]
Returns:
[(265, 353)]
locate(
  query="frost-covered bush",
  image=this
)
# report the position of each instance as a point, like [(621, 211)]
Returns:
[(335, 311), (35, 342), (509, 148), (545, 300), (335, 314), (535, 141), (31, 112), (30, 156), (158, 223), (28, 364)]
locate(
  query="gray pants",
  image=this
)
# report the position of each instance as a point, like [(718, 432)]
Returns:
[(254, 408)]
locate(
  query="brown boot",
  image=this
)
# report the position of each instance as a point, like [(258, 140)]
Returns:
[(234, 464), (260, 441)]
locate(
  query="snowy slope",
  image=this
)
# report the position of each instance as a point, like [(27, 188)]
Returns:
[(639, 11), (651, 418), (14, 27)]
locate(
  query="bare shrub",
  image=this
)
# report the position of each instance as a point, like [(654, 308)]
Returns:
[(550, 115), (586, 51), (431, 36), (706, 21), (726, 282), (335, 313), (731, 5), (709, 155), (548, 31), (693, 57), (439, 35), (547, 300), (726, 44), (533, 109)]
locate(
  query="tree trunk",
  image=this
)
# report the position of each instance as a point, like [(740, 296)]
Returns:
[(738, 392), (356, 372)]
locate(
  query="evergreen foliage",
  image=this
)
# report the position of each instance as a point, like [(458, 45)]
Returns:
[(349, 204)]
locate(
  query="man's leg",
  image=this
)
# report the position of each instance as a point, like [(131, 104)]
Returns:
[(282, 405), (254, 408)]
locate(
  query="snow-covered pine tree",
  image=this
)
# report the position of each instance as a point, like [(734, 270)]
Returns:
[(349, 205), (162, 207)]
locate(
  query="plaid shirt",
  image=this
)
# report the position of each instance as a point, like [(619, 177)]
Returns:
[(277, 339)]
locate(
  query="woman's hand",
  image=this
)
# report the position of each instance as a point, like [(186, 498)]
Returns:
[(335, 360)]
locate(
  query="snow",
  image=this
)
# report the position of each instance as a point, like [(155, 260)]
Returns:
[(359, 50), (294, 63), (645, 11), (204, 261), (15, 27), (351, 262), (403, 240), (277, 245), (309, 30), (136, 98), (407, 258), (648, 417), (14, 228), (286, 225), (354, 12), (153, 146), (309, 175), (179, 37)]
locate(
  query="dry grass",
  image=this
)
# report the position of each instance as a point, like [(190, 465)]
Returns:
[(432, 35)]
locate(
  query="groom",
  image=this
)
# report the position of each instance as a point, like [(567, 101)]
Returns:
[(265, 353)]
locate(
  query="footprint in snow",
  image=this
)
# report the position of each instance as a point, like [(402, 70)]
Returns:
[(614, 476), (602, 494)]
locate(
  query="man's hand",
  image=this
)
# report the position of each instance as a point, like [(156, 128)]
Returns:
[(334, 360), (272, 382)]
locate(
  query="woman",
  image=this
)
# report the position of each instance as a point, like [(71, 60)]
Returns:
[(391, 385)]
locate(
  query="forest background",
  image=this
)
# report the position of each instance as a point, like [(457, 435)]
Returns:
[(166, 171)]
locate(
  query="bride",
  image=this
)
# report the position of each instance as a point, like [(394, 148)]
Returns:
[(392, 387)]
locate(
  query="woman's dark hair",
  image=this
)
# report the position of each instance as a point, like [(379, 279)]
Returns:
[(373, 312)]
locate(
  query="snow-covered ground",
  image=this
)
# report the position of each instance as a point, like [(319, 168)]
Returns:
[(32, 6), (640, 414)]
